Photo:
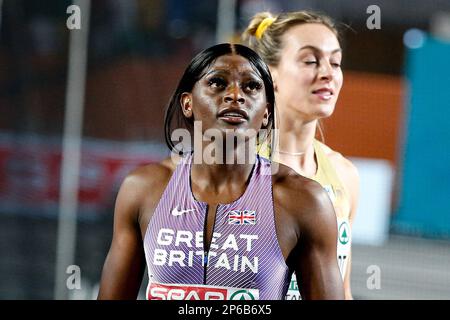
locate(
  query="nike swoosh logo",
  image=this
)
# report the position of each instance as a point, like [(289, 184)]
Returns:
[(176, 212)]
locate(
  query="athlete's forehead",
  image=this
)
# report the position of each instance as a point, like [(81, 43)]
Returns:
[(232, 63), (313, 37)]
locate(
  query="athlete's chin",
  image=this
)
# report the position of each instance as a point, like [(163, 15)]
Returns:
[(241, 134), (243, 129), (324, 110)]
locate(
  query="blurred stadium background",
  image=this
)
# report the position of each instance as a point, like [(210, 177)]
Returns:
[(392, 119)]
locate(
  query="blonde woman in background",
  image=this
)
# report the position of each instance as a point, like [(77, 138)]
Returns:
[(303, 52)]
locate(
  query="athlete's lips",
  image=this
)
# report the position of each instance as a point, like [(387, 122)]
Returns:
[(323, 90), (233, 115), (323, 93)]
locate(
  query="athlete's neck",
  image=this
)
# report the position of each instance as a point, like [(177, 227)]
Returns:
[(296, 148), (227, 172)]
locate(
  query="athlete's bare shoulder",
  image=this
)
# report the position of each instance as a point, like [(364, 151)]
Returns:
[(341, 163), (302, 207), (149, 176), (124, 266), (299, 197), (346, 170), (142, 189), (293, 189)]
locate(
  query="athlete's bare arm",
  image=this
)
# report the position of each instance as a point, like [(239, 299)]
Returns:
[(307, 232), (125, 263)]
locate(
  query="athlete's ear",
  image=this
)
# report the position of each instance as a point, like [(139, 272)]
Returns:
[(186, 104), (266, 117)]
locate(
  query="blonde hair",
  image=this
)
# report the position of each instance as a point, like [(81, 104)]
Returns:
[(265, 31), (268, 44)]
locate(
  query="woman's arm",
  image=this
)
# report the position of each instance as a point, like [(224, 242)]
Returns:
[(125, 263), (315, 258)]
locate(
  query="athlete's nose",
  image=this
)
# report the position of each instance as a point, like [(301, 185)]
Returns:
[(234, 94), (325, 71)]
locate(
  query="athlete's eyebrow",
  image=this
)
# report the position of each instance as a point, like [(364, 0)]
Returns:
[(217, 70), (313, 48), (225, 71)]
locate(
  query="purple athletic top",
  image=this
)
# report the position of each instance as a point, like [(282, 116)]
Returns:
[(244, 260)]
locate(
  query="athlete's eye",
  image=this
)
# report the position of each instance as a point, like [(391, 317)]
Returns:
[(310, 59), (253, 86), (336, 64), (217, 82)]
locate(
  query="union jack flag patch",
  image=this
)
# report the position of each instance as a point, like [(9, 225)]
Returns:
[(242, 217)]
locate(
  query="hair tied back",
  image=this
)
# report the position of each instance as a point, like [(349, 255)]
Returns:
[(263, 26)]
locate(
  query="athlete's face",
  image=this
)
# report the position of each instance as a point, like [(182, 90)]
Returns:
[(308, 78), (231, 95)]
